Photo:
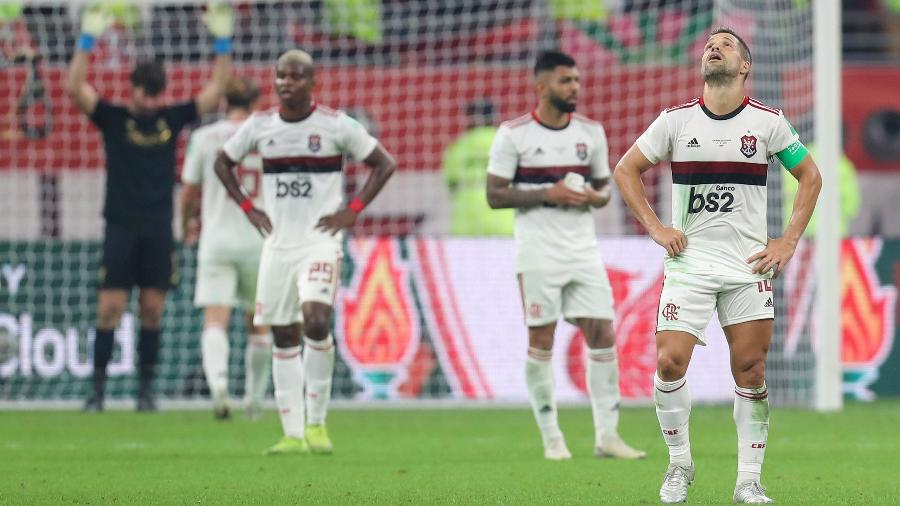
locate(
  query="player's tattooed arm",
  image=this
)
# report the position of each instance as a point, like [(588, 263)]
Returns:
[(598, 192), (500, 195), (383, 167), (224, 168)]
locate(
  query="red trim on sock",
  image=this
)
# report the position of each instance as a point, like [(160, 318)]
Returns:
[(683, 383), (285, 356), (541, 357), (320, 348), (754, 397)]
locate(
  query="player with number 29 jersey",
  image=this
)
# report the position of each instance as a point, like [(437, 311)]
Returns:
[(302, 169)]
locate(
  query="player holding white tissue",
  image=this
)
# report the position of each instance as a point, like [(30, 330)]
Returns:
[(538, 165)]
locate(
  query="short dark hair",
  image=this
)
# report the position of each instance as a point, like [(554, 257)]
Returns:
[(149, 75), (745, 49), (241, 92), (549, 60)]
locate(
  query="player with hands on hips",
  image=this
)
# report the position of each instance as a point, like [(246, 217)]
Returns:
[(302, 145)]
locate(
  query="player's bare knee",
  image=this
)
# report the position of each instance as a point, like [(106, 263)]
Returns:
[(670, 367), (108, 316), (286, 337), (316, 329), (750, 373), (540, 338), (151, 316), (600, 336)]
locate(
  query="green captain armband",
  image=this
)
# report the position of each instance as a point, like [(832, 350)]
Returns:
[(792, 155)]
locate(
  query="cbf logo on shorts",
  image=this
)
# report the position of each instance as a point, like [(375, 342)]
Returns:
[(670, 311), (315, 143), (748, 146), (581, 149)]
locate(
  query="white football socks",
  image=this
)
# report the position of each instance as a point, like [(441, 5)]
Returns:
[(751, 416), (673, 409), (214, 354), (539, 378), (318, 362), (258, 365), (603, 386), (287, 374)]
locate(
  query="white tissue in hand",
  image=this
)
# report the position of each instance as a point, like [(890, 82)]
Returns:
[(574, 181)]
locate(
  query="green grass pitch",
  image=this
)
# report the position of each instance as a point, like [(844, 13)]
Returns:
[(441, 456)]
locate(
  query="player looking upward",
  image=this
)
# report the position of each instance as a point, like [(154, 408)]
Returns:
[(302, 145), (558, 266), (228, 256), (719, 255)]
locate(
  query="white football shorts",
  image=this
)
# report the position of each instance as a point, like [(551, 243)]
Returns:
[(687, 302), (290, 277), (575, 292), (228, 283)]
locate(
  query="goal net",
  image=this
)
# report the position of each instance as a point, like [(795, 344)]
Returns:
[(429, 308)]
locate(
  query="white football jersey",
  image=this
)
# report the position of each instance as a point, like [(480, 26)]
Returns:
[(533, 155), (719, 169), (225, 232), (302, 168)]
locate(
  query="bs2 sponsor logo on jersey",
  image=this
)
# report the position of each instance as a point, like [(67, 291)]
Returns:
[(721, 200), (293, 187)]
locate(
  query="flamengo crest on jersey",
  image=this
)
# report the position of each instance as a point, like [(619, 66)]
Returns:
[(225, 233), (302, 168), (532, 155), (719, 169)]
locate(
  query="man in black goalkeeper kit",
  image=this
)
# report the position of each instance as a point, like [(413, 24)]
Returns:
[(140, 143)]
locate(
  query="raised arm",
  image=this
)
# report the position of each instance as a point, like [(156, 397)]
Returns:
[(94, 22), (628, 179), (219, 19)]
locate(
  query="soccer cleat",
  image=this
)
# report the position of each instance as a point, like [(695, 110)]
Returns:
[(614, 447), (288, 445), (556, 449), (674, 487), (94, 403), (222, 412), (146, 401), (751, 492), (318, 440)]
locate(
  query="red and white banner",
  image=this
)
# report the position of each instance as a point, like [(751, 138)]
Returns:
[(464, 293)]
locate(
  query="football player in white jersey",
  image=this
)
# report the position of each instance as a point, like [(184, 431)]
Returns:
[(718, 253), (560, 271), (302, 145), (228, 255)]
